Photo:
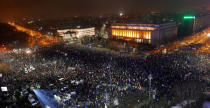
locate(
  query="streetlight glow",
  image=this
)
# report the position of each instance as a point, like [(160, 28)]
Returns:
[(208, 34), (121, 13)]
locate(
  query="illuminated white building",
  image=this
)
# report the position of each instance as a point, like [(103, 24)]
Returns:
[(144, 33), (76, 33), (66, 34)]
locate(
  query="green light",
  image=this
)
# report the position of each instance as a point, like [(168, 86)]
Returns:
[(189, 17)]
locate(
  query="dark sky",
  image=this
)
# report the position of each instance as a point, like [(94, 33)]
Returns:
[(66, 8)]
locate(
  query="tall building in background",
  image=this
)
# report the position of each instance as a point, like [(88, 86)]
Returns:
[(192, 24), (201, 22), (145, 33)]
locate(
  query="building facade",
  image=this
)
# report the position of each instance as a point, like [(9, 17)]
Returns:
[(145, 33), (201, 22), (76, 33), (193, 24)]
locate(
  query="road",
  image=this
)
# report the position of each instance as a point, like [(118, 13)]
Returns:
[(199, 38), (35, 37)]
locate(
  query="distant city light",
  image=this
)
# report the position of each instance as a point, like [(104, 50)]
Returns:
[(189, 17)]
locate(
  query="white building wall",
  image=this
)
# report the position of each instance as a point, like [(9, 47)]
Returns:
[(84, 32), (79, 33), (164, 32)]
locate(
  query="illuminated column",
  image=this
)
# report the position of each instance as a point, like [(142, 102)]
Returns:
[(131, 33), (135, 36), (144, 34), (140, 34), (123, 33), (149, 35), (118, 32), (127, 33)]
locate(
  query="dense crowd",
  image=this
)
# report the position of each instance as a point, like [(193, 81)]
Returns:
[(78, 76)]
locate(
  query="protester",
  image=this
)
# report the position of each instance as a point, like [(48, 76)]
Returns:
[(94, 78)]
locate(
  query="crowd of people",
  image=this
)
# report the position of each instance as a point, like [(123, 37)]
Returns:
[(82, 77)]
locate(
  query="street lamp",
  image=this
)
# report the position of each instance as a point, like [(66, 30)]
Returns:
[(208, 34), (121, 14), (150, 81)]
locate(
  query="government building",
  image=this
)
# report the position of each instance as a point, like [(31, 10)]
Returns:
[(153, 34)]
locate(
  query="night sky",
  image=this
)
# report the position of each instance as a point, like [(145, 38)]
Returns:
[(66, 8)]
